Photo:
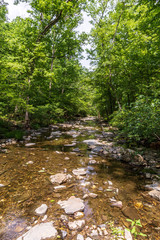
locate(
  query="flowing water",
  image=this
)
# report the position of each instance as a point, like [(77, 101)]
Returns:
[(25, 172)]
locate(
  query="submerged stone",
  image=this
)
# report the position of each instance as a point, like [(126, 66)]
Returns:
[(72, 205), (41, 210), (155, 194), (78, 224), (59, 178), (29, 144), (79, 171), (39, 232)]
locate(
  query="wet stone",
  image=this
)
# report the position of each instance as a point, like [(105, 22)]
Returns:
[(92, 162), (59, 188), (131, 213), (79, 171), (78, 215), (155, 194), (39, 232), (78, 224), (41, 210), (59, 178), (117, 204), (80, 237), (29, 144), (2, 185), (63, 234), (127, 234), (72, 205), (93, 195)]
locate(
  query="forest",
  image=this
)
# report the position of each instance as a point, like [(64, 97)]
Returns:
[(42, 80)]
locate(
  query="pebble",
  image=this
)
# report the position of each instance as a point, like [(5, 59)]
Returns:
[(63, 234), (78, 215), (44, 218), (80, 237), (127, 234), (41, 210), (78, 224), (93, 195)]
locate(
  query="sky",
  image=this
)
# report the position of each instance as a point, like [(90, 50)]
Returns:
[(21, 10)]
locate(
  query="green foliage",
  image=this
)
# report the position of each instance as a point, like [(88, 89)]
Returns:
[(141, 120), (7, 130), (116, 231), (134, 225)]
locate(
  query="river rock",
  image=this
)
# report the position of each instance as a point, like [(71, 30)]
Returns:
[(131, 213), (154, 186), (155, 194), (80, 237), (78, 224), (39, 232), (29, 144), (117, 204), (92, 142), (92, 162), (70, 145), (93, 195), (72, 205), (41, 210), (79, 171), (63, 234), (29, 162), (59, 178), (78, 215), (85, 184), (59, 187), (127, 234)]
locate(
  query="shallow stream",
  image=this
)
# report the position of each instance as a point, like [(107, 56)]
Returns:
[(25, 173)]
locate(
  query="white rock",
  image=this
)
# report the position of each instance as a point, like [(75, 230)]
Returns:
[(127, 234), (85, 196), (41, 210), (78, 224), (59, 178), (92, 142), (2, 185), (94, 233), (79, 171), (60, 187), (78, 215), (155, 194), (85, 184), (92, 195), (72, 205), (110, 183), (92, 162), (39, 232), (80, 237), (29, 144), (66, 158), (44, 218), (117, 204), (29, 162)]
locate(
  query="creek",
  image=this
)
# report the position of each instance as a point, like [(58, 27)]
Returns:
[(25, 174)]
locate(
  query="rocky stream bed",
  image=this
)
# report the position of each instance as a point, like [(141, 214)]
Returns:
[(73, 181)]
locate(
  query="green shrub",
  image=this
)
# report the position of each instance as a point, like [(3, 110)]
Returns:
[(140, 121)]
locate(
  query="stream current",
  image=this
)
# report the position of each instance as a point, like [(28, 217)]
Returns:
[(25, 174)]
